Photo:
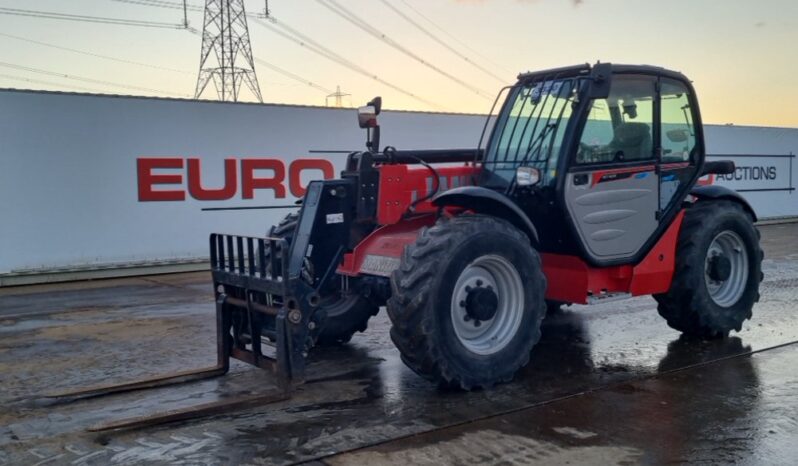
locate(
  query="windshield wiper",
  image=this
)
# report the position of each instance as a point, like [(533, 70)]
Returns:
[(534, 148)]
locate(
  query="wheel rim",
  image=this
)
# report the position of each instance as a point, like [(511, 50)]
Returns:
[(491, 335), (726, 292), (337, 304)]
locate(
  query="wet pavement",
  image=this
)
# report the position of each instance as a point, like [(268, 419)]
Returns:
[(607, 384), (742, 410)]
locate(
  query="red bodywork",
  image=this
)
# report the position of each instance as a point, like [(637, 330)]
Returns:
[(401, 185), (570, 279), (383, 245)]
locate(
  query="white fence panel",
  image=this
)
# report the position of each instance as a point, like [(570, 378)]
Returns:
[(83, 178)]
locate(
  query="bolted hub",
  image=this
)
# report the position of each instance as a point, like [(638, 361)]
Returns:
[(481, 303), (719, 268)]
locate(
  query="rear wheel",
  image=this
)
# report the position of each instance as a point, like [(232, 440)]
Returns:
[(718, 271), (347, 312), (467, 301)]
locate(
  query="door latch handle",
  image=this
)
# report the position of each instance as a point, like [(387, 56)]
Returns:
[(580, 179)]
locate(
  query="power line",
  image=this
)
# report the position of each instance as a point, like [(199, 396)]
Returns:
[(50, 83), (302, 40), (197, 8), (161, 4), (441, 41), (86, 19), (292, 75), (271, 66), (348, 15), (92, 54), (88, 80), (193, 7), (451, 36)]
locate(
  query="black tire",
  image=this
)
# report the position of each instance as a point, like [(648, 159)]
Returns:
[(421, 301), (553, 307), (688, 306), (347, 313)]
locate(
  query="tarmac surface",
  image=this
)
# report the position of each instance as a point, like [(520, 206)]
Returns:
[(607, 384)]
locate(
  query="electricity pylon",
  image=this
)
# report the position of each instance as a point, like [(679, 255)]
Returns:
[(226, 57), (338, 96)]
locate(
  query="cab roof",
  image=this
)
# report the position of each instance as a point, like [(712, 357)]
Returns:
[(587, 69)]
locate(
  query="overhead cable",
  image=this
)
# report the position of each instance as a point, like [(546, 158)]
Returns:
[(440, 41), (92, 54), (349, 16), (86, 19), (288, 74), (88, 80), (50, 83), (292, 75), (453, 37), (293, 35), (162, 4), (297, 37)]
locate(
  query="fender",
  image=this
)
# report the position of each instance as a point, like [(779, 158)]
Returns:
[(487, 201), (721, 192)]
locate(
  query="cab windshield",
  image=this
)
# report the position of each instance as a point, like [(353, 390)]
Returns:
[(529, 131)]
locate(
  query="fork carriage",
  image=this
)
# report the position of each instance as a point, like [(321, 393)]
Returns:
[(259, 308)]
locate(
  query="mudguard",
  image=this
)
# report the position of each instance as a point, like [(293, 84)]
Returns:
[(487, 201), (721, 192)]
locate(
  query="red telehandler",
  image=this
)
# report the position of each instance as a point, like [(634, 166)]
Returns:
[(586, 190)]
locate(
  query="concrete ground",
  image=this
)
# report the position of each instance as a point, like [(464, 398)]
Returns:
[(608, 384)]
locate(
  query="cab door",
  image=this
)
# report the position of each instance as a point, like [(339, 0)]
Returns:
[(611, 189), (681, 144)]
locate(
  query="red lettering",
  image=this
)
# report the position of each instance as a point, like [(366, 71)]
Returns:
[(147, 179), (249, 183), (199, 193), (295, 170)]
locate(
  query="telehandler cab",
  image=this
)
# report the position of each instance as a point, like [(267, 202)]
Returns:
[(586, 190)]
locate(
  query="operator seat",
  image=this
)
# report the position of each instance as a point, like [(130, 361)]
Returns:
[(632, 141)]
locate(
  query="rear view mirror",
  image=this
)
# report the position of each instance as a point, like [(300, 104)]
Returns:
[(677, 135), (367, 116)]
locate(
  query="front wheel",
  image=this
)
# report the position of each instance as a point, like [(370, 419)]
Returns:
[(467, 302), (718, 271), (347, 311)]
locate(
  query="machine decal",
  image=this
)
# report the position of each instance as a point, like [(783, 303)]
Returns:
[(335, 218), (380, 265), (612, 174)]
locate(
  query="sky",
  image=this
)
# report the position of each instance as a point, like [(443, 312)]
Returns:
[(740, 54)]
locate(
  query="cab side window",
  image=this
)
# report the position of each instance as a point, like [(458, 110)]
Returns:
[(620, 127), (678, 130)]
